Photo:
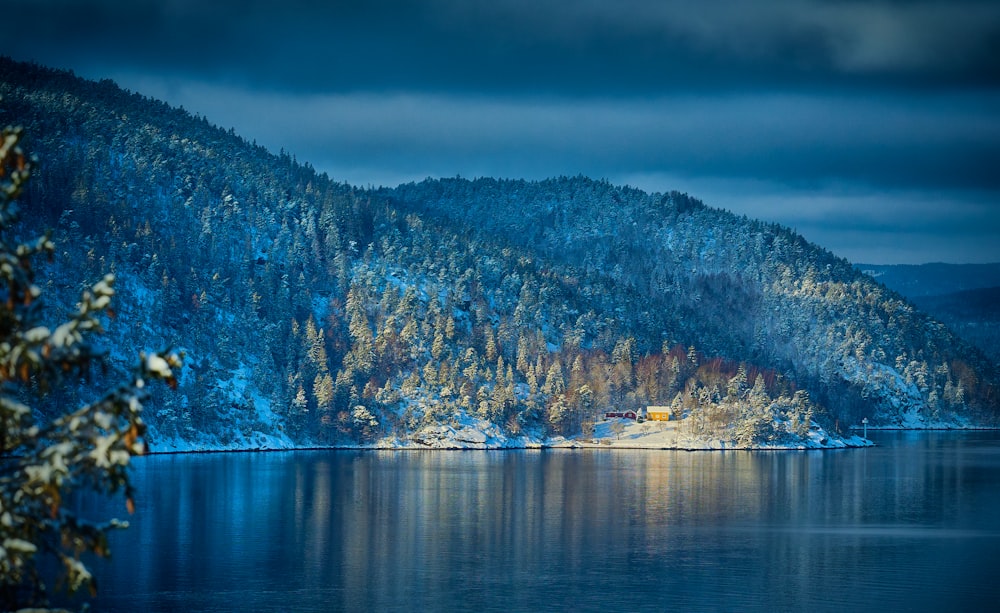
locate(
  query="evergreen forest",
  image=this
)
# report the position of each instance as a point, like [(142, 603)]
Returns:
[(316, 313)]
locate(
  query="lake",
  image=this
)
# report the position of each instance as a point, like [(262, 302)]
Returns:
[(912, 524)]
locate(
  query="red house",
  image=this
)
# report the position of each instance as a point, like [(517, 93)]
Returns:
[(622, 414)]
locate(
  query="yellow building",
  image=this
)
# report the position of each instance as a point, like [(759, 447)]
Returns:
[(658, 413)]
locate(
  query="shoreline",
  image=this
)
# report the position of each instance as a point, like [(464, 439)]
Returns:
[(641, 441)]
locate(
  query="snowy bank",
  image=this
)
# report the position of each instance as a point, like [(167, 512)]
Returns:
[(473, 433)]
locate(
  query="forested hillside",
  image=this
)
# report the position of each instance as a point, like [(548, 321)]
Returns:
[(669, 267), (313, 312)]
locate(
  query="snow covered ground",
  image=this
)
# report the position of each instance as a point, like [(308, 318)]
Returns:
[(672, 435), (472, 433), (466, 431)]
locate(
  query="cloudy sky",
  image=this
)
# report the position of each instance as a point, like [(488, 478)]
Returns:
[(873, 128)]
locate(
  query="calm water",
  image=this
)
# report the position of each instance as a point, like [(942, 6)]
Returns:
[(913, 524)]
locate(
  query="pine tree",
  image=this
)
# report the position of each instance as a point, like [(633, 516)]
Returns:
[(316, 348), (410, 385), (365, 423), (554, 382), (323, 392), (758, 393), (409, 336), (361, 357), (522, 355), (491, 346), (558, 414), (437, 346), (736, 385)]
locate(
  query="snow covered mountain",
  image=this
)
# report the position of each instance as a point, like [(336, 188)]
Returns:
[(490, 312)]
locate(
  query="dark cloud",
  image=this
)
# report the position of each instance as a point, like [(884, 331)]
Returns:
[(582, 47), (936, 142), (871, 126)]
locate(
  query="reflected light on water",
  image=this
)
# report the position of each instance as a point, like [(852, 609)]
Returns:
[(909, 524)]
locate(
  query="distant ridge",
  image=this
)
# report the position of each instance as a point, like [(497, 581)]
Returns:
[(973, 304), (966, 297), (913, 280)]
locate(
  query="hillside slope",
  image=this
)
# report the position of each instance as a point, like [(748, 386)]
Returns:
[(670, 267), (486, 313)]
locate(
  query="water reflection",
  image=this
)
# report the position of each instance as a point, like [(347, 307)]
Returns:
[(909, 524)]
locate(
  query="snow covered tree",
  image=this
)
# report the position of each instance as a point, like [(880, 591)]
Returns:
[(365, 423), (558, 414), (323, 391), (90, 447), (554, 384)]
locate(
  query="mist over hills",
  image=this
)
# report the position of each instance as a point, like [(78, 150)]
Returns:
[(314, 312), (935, 279), (965, 297)]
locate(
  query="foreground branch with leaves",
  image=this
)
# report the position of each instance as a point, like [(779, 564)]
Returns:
[(91, 447)]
